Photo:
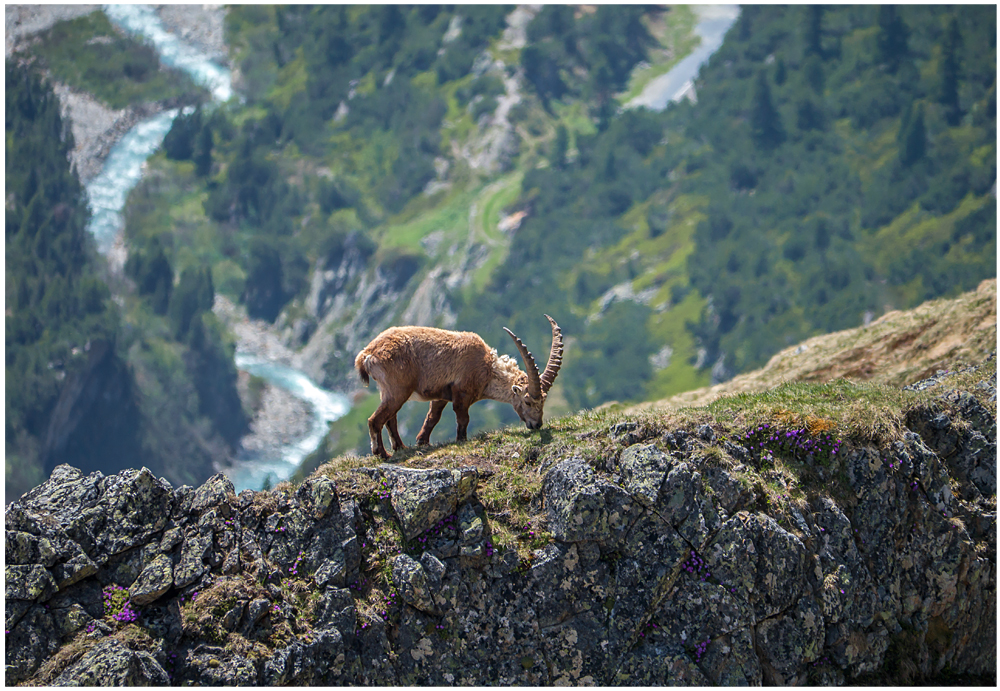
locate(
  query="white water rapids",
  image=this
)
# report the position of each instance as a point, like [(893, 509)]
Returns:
[(121, 172)]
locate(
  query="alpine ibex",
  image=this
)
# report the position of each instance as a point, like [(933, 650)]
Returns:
[(425, 364)]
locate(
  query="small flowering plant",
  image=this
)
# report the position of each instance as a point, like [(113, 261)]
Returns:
[(118, 606), (766, 440), (446, 528), (380, 605), (293, 570), (533, 535), (700, 648)]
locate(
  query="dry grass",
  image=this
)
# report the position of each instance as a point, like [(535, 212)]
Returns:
[(66, 656), (897, 349)]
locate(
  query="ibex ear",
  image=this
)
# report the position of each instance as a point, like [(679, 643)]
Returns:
[(517, 389)]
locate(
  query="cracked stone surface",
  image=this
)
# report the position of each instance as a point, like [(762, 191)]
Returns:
[(664, 567)]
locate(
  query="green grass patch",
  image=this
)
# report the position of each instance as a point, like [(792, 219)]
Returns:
[(490, 205), (858, 412), (450, 217), (669, 329), (916, 232), (168, 204)]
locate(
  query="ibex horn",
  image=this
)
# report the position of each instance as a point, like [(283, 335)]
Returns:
[(555, 357), (534, 384)]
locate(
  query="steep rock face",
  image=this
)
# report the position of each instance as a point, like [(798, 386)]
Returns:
[(663, 567), (348, 304), (96, 418)]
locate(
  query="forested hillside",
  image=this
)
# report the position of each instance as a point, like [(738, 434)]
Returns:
[(850, 160), (59, 318), (149, 381), (839, 162), (475, 167)]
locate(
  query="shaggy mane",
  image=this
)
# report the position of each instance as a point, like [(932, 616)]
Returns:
[(504, 364)]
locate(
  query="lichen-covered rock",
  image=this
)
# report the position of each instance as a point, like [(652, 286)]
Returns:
[(643, 469), (111, 663), (24, 548), (416, 586), (582, 506), (321, 494), (335, 610), (23, 582), (218, 492), (792, 640), (649, 664), (213, 666), (421, 498), (646, 567), (32, 636), (154, 581), (763, 561), (132, 506), (319, 661), (669, 563), (191, 566)]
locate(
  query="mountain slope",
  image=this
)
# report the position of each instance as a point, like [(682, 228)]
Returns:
[(815, 534), (897, 349), (470, 169)]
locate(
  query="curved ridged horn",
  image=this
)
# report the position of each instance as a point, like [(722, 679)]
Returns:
[(534, 384), (555, 357)]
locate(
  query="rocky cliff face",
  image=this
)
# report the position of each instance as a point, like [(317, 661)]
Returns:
[(668, 554), (95, 423)]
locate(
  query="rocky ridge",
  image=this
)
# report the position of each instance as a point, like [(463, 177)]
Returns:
[(669, 553)]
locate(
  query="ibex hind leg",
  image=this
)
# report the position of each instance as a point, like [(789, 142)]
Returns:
[(386, 410), (397, 442)]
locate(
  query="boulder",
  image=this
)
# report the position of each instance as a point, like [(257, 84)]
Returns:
[(111, 663), (421, 498), (582, 506)]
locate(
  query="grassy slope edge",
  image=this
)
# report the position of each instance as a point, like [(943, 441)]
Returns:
[(899, 348), (513, 460)]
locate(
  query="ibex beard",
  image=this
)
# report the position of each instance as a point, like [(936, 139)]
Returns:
[(419, 363)]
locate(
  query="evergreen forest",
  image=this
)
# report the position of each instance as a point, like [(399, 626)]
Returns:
[(144, 380)]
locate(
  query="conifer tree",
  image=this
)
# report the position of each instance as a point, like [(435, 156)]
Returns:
[(948, 94), (892, 37), (765, 121), (814, 30), (912, 136), (203, 151), (559, 146)]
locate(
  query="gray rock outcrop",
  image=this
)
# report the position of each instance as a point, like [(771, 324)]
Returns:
[(665, 564)]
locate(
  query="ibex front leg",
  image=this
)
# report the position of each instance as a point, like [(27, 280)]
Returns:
[(433, 416), (460, 404)]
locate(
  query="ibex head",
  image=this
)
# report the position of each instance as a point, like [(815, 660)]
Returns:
[(529, 399)]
